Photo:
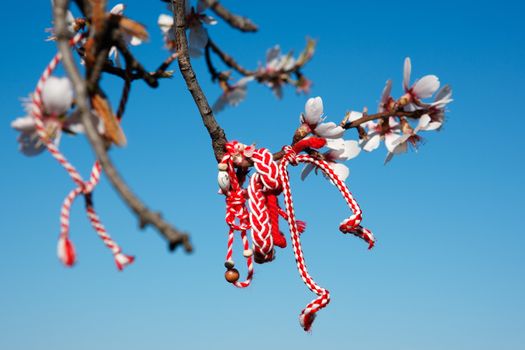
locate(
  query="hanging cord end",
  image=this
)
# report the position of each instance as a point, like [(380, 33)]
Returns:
[(363, 233), (123, 260), (306, 321), (66, 251)]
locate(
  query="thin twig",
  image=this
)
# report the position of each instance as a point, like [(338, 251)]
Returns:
[(217, 135), (395, 113), (146, 217), (229, 60), (238, 22)]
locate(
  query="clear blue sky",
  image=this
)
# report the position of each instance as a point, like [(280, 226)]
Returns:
[(447, 272)]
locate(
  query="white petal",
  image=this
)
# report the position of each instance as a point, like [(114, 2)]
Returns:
[(401, 148), (390, 141), (57, 95), (354, 116), (165, 22), (333, 155), (372, 143), (371, 126), (313, 110), (393, 123), (237, 95), (411, 107), (426, 86), (406, 73), (287, 63), (273, 53), (30, 144), (209, 20), (198, 40), (135, 41), (244, 81), (443, 97), (337, 144), (118, 9), (445, 92), (385, 96), (340, 170), (220, 104), (307, 170), (423, 123), (432, 126), (402, 139), (23, 124), (329, 130), (351, 150)]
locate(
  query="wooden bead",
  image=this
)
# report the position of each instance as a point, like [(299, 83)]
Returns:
[(222, 166), (232, 275)]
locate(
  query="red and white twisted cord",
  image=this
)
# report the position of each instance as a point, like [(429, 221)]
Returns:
[(351, 224), (66, 251), (238, 219)]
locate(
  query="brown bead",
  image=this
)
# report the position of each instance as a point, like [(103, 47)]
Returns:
[(232, 275)]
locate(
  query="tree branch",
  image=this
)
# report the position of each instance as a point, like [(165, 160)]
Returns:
[(146, 217), (395, 113), (217, 135), (238, 22)]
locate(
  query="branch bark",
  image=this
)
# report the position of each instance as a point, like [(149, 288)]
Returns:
[(146, 217), (217, 135), (241, 23)]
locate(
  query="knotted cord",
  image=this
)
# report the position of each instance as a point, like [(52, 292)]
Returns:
[(66, 251), (269, 180)]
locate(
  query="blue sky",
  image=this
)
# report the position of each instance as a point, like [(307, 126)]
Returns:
[(447, 272)]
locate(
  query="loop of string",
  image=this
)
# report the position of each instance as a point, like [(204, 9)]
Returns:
[(66, 251), (269, 180)]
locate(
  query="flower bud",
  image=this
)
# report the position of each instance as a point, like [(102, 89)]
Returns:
[(57, 95)]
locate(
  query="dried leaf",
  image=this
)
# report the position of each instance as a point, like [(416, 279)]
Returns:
[(113, 131), (133, 28)]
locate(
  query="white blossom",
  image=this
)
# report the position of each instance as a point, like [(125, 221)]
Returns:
[(276, 61), (409, 137), (313, 117), (377, 131), (28, 140), (422, 88), (57, 98), (57, 95), (233, 95), (386, 99), (195, 18)]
